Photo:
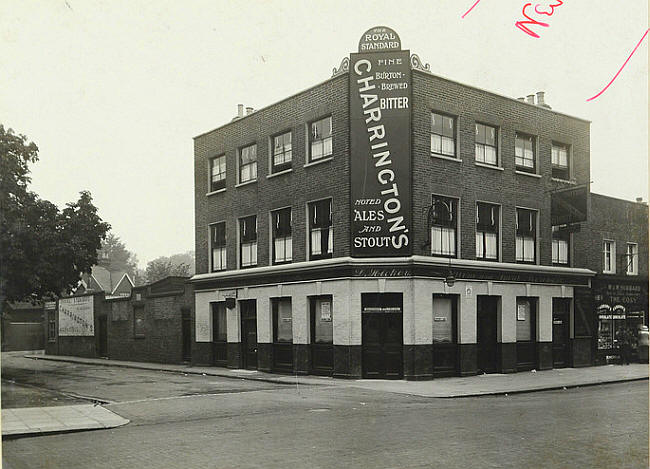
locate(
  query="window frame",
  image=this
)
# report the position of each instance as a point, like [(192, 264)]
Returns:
[(454, 132), (241, 244), (275, 311), (534, 140), (252, 164), (569, 166), (497, 231), (311, 140), (287, 163), (453, 223), (311, 228), (558, 235), (220, 184), (224, 247), (214, 305), (635, 259), (612, 255), (496, 164), (289, 237), (534, 232)]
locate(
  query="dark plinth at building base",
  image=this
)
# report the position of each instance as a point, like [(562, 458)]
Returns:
[(507, 357), (467, 361), (301, 359), (581, 355), (418, 362), (264, 357), (202, 353), (234, 355), (347, 361), (544, 355)]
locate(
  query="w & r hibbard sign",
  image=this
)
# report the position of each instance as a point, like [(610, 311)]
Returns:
[(76, 316), (380, 146)]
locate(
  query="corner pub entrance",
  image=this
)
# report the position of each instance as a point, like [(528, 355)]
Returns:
[(342, 251)]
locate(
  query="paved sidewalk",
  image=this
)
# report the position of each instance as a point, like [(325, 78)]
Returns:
[(482, 385), (42, 420)]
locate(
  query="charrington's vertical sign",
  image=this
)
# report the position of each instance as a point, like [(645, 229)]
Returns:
[(380, 146)]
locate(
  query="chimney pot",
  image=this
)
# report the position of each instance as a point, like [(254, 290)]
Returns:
[(522, 99), (240, 110), (530, 99), (639, 200), (249, 110), (540, 98)]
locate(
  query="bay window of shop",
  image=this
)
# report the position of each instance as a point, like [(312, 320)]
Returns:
[(248, 163), (443, 135), (560, 246), (526, 236), (444, 226), (217, 173), (281, 155), (609, 257), (487, 231), (219, 333), (560, 161), (281, 235), (525, 153), (320, 229), (526, 330), (485, 145), (445, 354), (322, 334), (282, 334), (320, 139), (218, 246), (632, 257), (248, 241)]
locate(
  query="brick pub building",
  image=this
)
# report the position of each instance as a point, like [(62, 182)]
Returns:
[(391, 223)]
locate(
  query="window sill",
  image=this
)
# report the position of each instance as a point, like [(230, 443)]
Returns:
[(532, 175), (215, 192), (246, 183), (565, 181), (282, 262), (215, 271), (609, 272), (443, 157), (279, 173), (628, 274), (489, 166), (322, 160), (244, 267)]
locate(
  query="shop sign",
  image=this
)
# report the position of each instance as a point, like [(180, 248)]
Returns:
[(381, 272), (49, 305), (76, 316), (569, 206), (380, 146)]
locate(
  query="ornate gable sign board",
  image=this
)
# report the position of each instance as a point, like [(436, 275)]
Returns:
[(380, 146), (379, 39)]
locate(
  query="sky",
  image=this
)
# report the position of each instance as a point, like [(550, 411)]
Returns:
[(113, 92)]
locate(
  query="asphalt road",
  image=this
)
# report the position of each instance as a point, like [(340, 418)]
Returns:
[(208, 422)]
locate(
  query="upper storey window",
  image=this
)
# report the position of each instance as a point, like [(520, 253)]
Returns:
[(248, 241), (320, 229), (526, 236), (487, 231), (485, 145), (444, 226), (218, 242), (248, 163), (525, 153), (217, 173), (320, 139), (281, 232), (281, 152), (560, 161), (632, 256), (443, 135), (609, 256)]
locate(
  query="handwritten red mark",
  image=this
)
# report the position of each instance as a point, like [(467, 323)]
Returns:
[(620, 69), (533, 22), (470, 8)]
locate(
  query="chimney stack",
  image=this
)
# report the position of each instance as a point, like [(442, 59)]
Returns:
[(240, 110), (249, 110), (523, 100), (530, 99), (540, 98), (639, 200)]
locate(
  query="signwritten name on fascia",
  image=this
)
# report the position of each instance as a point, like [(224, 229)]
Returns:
[(380, 166)]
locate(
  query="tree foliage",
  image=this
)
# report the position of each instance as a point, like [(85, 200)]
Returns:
[(164, 267), (116, 257), (43, 250)]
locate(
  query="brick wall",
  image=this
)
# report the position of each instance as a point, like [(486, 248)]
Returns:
[(614, 219), (470, 182), (295, 189)]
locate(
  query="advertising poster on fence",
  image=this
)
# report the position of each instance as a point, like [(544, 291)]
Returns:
[(76, 316)]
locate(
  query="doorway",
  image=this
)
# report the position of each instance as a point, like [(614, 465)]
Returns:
[(486, 333), (102, 333), (561, 308), (248, 310), (186, 329), (322, 334), (381, 335)]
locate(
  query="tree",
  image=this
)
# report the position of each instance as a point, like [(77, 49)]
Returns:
[(116, 257), (43, 251), (164, 267)]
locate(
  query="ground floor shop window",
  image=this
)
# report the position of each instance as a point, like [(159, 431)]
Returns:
[(526, 320), (282, 334)]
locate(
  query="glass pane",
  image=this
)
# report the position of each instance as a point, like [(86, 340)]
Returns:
[(442, 320), (480, 253), (490, 136), (448, 126), (480, 133), (479, 152), (315, 242), (284, 325), (436, 143), (490, 245), (490, 155), (436, 124), (327, 146), (330, 241), (448, 146)]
